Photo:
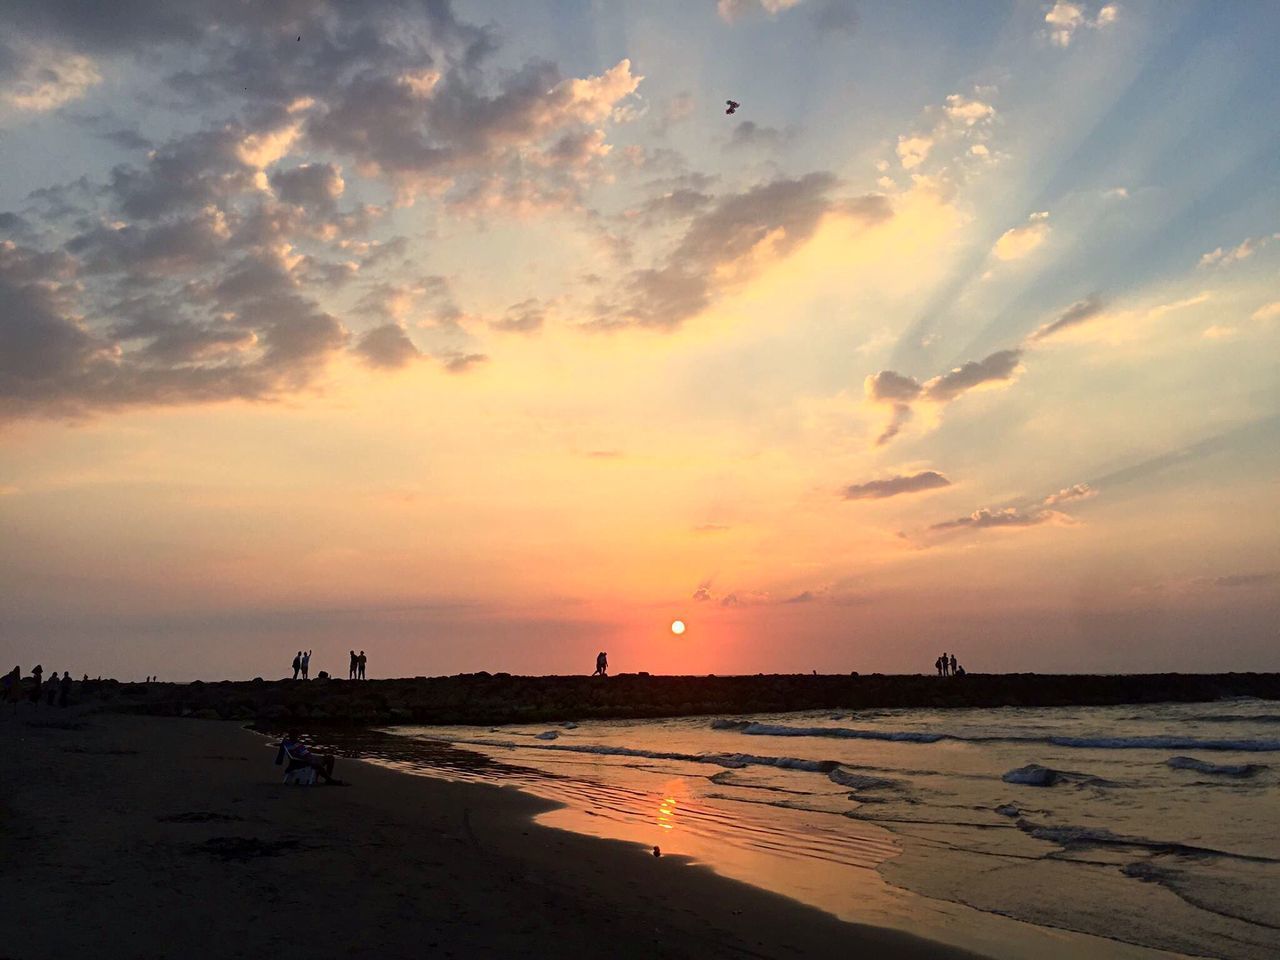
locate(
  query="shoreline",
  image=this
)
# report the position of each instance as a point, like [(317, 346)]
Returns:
[(131, 836), (492, 699)]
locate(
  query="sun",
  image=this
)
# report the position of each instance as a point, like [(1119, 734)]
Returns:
[(677, 627)]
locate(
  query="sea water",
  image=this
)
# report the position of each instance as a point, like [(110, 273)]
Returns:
[(1123, 831)]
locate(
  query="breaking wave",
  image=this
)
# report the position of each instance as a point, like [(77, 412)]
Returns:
[(756, 729)]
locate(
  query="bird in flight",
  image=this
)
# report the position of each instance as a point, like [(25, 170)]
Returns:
[(733, 106)]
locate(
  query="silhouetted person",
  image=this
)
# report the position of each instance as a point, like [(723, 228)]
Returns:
[(959, 671), (36, 673), (12, 686), (64, 688), (953, 664), (355, 667), (602, 665), (360, 662), (297, 664), (306, 665), (51, 689), (945, 663), (292, 748), (937, 665)]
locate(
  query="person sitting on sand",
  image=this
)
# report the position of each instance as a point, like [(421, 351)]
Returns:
[(959, 671), (355, 666), (296, 751)]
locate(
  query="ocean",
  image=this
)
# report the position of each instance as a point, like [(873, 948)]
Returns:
[(1130, 831)]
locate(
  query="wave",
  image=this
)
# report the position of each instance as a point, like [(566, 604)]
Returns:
[(1033, 775), (733, 761), (757, 729), (859, 781), (1224, 769), (1066, 836)]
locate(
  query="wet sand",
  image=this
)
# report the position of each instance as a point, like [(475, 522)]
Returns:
[(149, 837)]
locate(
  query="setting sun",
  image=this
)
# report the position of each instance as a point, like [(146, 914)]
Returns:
[(677, 627)]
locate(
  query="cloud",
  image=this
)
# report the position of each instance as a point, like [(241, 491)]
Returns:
[(1247, 247), (1246, 580), (387, 346), (1009, 517), (1000, 366), (1037, 514), (462, 362), (835, 16), (894, 486), (733, 10), (725, 244), (898, 392), (43, 79), (968, 111), (1268, 311), (710, 528), (315, 185), (527, 316), (1065, 18), (1079, 312), (1016, 242), (1077, 491), (914, 150), (750, 135)]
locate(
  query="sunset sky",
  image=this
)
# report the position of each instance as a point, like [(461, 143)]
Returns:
[(478, 336)]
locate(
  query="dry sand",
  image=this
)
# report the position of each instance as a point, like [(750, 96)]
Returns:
[(141, 837)]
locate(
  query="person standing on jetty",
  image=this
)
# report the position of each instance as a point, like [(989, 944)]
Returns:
[(306, 665), (946, 663), (297, 664), (953, 664), (360, 662), (354, 670), (602, 665), (64, 688), (36, 673)]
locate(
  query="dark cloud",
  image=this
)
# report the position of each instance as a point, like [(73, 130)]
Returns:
[(1037, 513), (387, 346), (894, 486), (834, 16), (999, 366), (784, 211), (897, 391), (710, 528), (750, 135), (703, 593), (128, 139), (805, 596), (13, 224), (314, 185), (1076, 314), (1008, 517)]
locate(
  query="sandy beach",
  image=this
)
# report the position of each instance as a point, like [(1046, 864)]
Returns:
[(143, 837)]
